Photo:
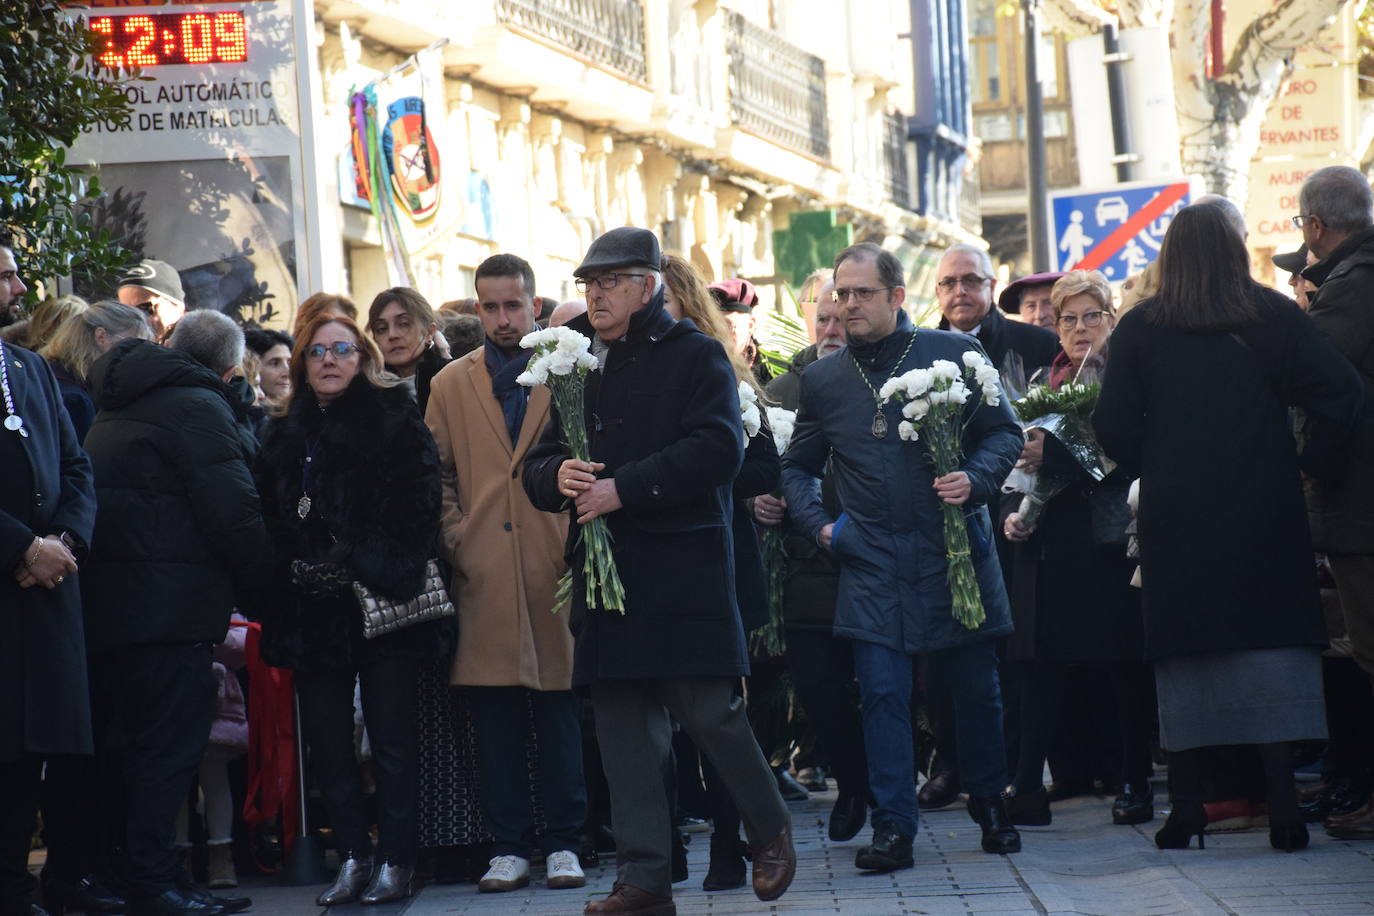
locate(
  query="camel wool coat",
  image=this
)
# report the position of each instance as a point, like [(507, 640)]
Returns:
[(507, 556)]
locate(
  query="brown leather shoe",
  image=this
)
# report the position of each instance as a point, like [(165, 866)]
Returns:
[(1357, 826), (1361, 813), (775, 862), (625, 900)]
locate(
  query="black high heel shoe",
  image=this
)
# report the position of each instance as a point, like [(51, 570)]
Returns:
[(1182, 824)]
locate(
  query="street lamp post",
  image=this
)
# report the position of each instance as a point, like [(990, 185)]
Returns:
[(1037, 217)]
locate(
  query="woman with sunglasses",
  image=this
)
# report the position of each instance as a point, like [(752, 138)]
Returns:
[(1072, 600), (349, 479)]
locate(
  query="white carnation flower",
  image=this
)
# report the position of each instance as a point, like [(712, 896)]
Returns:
[(587, 361), (973, 360), (917, 409), (527, 379), (747, 394), (944, 369), (937, 397), (917, 382), (753, 422), (891, 387), (958, 393), (907, 431)]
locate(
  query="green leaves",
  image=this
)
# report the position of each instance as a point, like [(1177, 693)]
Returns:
[(49, 94)]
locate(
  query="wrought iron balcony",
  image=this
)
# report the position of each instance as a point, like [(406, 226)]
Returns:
[(607, 32), (777, 90), (897, 171)]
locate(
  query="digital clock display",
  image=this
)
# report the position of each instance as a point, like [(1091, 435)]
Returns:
[(172, 38)]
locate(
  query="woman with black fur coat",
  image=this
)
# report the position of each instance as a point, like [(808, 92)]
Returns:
[(349, 479)]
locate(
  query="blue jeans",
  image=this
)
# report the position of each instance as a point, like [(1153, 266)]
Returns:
[(502, 717), (970, 673)]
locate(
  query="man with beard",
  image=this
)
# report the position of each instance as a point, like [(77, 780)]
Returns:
[(47, 508), (507, 557)]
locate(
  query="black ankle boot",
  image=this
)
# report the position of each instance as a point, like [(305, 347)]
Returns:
[(1184, 821), (990, 813)]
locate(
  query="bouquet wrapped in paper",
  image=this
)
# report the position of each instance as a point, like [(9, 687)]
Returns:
[(933, 403), (770, 639), (562, 358), (1064, 415)]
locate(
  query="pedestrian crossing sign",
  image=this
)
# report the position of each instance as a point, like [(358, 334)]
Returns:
[(1117, 230)]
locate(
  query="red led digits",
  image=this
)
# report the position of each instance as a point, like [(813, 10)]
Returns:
[(144, 31), (197, 38), (231, 37), (110, 57), (171, 38)]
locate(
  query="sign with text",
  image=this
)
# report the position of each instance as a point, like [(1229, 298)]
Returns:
[(1117, 230), (208, 174)]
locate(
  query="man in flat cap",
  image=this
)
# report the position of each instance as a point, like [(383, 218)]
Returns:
[(154, 288), (663, 419)]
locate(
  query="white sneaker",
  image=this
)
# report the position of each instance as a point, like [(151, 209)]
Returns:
[(564, 870), (507, 873)]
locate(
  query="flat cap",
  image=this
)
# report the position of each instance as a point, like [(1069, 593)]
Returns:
[(623, 247)]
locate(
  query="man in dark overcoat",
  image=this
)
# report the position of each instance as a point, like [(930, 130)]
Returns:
[(894, 600), (1338, 227), (663, 420), (47, 510), (180, 540)]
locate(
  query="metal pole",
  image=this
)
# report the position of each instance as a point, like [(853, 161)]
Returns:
[(304, 864), (1037, 216), (1116, 98)]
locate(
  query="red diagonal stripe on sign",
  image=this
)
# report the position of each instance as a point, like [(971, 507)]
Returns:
[(1147, 214)]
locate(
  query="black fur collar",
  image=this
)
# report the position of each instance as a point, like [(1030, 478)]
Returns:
[(362, 419)]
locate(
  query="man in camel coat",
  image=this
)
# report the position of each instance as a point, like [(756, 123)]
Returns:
[(514, 654)]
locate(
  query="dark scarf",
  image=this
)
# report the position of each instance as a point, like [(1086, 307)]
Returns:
[(512, 396)]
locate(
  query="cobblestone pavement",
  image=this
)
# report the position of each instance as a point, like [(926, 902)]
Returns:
[(1080, 865)]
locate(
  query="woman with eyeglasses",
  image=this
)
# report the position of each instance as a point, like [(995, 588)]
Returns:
[(1072, 600), (349, 478), (1196, 404), (407, 333)]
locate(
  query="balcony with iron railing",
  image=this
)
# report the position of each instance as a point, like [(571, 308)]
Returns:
[(777, 90), (609, 33), (896, 167)]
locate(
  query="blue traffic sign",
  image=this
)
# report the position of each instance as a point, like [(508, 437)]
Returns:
[(1116, 230)]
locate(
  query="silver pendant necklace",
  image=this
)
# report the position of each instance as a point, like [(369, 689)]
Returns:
[(879, 428), (13, 422)]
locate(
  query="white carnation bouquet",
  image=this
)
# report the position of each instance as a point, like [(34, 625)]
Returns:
[(933, 413), (562, 358), (781, 424), (749, 410)]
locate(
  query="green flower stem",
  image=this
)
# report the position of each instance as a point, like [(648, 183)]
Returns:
[(941, 434), (770, 636), (601, 578)]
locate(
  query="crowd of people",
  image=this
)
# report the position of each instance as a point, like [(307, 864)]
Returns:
[(381, 505)]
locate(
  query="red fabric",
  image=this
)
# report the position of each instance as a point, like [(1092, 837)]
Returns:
[(1060, 370), (738, 289), (271, 742)]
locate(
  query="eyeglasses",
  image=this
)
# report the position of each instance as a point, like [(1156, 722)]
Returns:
[(967, 281), (1302, 218), (860, 293), (1090, 320), (340, 348), (605, 281)]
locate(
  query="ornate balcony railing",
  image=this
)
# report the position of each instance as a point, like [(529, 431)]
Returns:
[(777, 90), (895, 149), (608, 32)]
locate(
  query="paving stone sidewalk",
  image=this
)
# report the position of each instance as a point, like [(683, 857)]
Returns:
[(1080, 865)]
